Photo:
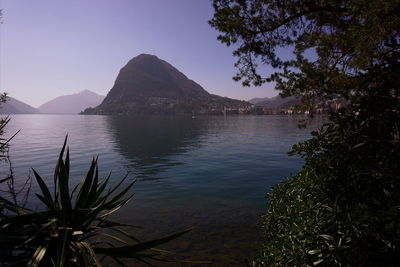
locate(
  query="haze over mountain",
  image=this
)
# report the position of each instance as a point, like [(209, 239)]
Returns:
[(258, 99), (14, 106), (71, 104), (149, 85), (275, 102)]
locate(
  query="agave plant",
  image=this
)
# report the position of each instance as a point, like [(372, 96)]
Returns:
[(73, 229)]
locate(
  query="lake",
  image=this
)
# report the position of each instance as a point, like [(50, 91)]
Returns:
[(211, 173)]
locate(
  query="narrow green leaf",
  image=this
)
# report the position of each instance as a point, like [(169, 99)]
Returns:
[(9, 139), (121, 194), (86, 183), (119, 184), (38, 232), (116, 238), (37, 256), (84, 256), (126, 251), (63, 188), (3, 180), (74, 190), (327, 237), (45, 201), (126, 234), (63, 247), (43, 187), (6, 204), (27, 219), (119, 261), (102, 186), (57, 168), (314, 251), (112, 207), (358, 145), (91, 198), (92, 253), (317, 262), (108, 223), (67, 162)]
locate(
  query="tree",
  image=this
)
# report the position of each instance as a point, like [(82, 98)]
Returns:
[(342, 207), (335, 44)]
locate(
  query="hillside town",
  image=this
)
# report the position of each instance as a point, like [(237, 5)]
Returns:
[(289, 107)]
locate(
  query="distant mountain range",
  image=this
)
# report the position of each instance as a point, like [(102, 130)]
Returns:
[(72, 104), (149, 85), (276, 102), (257, 100), (14, 106)]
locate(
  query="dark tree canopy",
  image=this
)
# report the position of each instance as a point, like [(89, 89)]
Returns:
[(342, 207), (351, 42)]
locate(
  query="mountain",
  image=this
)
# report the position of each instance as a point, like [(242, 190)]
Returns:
[(72, 104), (257, 100), (278, 102), (149, 85), (14, 106)]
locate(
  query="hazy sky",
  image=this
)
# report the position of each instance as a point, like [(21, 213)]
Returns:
[(50, 48)]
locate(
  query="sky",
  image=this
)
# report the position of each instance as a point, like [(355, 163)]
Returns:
[(50, 48)]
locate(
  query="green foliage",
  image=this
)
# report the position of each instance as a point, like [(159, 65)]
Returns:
[(73, 229), (6, 205), (343, 207), (332, 43), (3, 122)]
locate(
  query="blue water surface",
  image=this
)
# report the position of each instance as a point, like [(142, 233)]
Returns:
[(211, 173)]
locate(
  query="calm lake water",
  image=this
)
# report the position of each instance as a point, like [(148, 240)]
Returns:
[(211, 173)]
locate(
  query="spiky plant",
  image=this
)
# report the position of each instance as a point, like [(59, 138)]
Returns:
[(73, 228)]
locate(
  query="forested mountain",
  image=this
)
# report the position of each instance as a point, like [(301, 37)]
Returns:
[(149, 85)]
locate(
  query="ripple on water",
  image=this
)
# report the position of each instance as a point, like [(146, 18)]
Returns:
[(210, 172)]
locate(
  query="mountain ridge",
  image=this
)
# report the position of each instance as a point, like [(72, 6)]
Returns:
[(14, 106), (256, 100), (149, 85), (275, 102), (72, 103)]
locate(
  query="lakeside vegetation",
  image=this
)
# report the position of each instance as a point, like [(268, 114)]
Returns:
[(342, 208), (72, 227)]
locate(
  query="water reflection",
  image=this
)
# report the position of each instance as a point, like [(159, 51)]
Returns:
[(149, 142), (212, 172)]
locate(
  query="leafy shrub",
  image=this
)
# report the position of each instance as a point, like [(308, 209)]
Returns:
[(73, 229), (343, 207)]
